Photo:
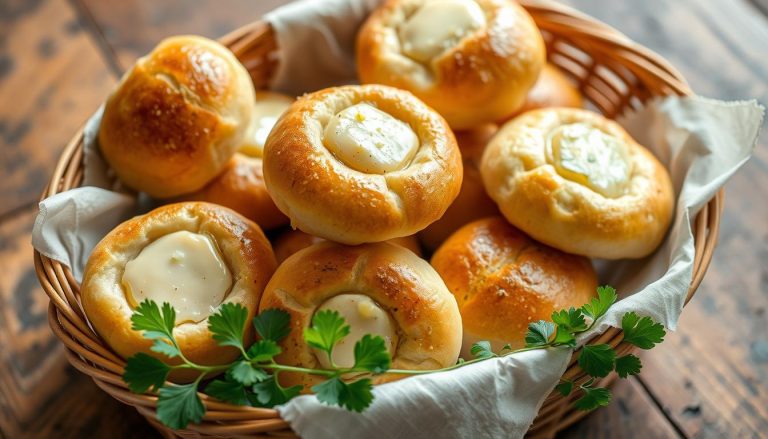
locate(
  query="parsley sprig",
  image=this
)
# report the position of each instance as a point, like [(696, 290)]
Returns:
[(253, 378)]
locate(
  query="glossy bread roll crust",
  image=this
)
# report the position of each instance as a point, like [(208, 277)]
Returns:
[(472, 202), (242, 246), (334, 195), (177, 117), (491, 55), (240, 186), (423, 313), (292, 241), (578, 182), (552, 89), (503, 280)]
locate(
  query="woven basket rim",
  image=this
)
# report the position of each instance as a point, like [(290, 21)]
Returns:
[(90, 355)]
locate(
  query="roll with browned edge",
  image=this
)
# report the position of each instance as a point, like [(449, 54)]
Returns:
[(503, 280), (195, 256), (472, 61), (359, 164), (177, 117), (578, 182), (240, 186), (552, 89), (292, 241), (380, 289), (472, 202)]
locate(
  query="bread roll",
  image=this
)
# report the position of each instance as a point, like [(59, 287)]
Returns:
[(359, 164), (577, 181), (240, 186), (472, 203), (503, 280), (195, 256), (552, 89), (177, 117), (472, 61), (380, 289), (292, 241)]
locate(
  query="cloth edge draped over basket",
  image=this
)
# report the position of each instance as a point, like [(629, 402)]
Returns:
[(702, 141)]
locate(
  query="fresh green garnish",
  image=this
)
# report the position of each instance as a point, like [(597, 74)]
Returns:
[(252, 379)]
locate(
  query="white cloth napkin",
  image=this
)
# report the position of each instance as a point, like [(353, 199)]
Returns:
[(703, 142)]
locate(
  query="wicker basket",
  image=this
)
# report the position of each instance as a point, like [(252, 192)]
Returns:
[(614, 73)]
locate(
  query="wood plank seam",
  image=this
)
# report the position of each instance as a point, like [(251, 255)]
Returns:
[(657, 402), (106, 50)]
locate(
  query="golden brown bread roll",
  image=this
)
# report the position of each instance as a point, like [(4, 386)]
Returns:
[(380, 289), (503, 280), (240, 186), (552, 89), (177, 117), (472, 202), (577, 181), (292, 241), (195, 256), (358, 164), (472, 61)]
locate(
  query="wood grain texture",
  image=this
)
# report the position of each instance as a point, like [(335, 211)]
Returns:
[(708, 380), (132, 28), (711, 376), (631, 415), (41, 396), (51, 79)]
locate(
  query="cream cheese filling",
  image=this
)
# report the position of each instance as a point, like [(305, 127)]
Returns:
[(439, 25), (266, 113), (182, 268), (591, 157), (369, 140), (364, 316)]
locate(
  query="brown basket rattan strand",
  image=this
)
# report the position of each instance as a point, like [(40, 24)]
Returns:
[(614, 74)]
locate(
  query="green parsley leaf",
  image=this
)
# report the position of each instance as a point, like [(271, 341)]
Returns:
[(328, 327), (358, 395), (272, 324), (628, 365), (596, 308), (143, 372), (593, 398), (228, 323), (539, 333), (227, 391), (482, 349), (642, 332), (161, 346), (330, 391), (597, 360), (245, 374), (270, 393), (371, 354), (155, 323), (263, 351), (571, 320), (565, 387), (564, 337), (178, 405)]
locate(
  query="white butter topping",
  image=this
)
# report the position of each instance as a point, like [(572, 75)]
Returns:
[(587, 155), (364, 316), (182, 268), (439, 25), (268, 110), (370, 140)]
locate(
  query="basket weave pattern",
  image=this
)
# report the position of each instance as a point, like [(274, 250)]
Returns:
[(614, 74)]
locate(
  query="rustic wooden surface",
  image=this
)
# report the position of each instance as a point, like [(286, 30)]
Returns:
[(58, 59)]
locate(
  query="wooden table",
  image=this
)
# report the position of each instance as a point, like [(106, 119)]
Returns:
[(59, 59)]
